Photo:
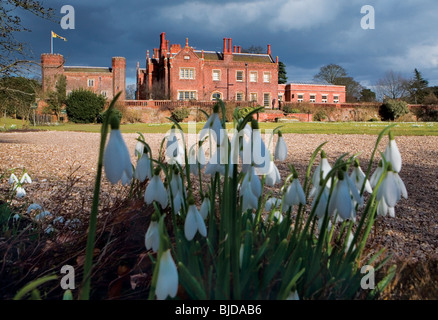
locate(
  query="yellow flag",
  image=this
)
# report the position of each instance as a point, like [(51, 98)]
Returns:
[(54, 35)]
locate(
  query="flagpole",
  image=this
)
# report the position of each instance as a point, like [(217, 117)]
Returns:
[(51, 42)]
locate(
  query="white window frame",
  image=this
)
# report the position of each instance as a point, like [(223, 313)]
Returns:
[(324, 100), (237, 96), (183, 93), (335, 98), (266, 77), (186, 73), (269, 99), (254, 94), (310, 97), (237, 78), (104, 93), (216, 72), (256, 76), (91, 83), (298, 97)]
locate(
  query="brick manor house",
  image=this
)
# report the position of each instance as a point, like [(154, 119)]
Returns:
[(184, 73)]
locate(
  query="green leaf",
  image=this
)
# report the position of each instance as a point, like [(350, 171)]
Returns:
[(33, 285), (192, 286)]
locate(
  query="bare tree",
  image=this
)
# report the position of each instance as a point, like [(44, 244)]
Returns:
[(393, 86), (130, 91), (14, 55)]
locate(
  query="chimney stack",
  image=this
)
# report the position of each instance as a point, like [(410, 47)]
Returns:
[(229, 45), (225, 45), (187, 42), (235, 49), (239, 48), (269, 49)]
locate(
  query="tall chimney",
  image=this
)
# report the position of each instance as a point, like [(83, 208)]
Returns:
[(225, 45), (187, 42), (235, 49), (229, 45), (163, 41), (239, 48), (269, 49)]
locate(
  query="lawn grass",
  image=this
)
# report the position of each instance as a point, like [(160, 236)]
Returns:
[(371, 128)]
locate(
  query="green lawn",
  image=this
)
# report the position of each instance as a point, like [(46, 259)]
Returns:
[(372, 128)]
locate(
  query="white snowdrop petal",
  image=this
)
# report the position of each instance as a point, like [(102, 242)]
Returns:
[(390, 190), (393, 155), (343, 200), (205, 208), (190, 225), (280, 150), (402, 187), (167, 282), (200, 223)]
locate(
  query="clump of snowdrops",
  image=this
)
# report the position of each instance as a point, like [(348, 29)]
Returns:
[(232, 238)]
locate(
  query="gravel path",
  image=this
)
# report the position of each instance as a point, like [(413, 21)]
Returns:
[(59, 160)]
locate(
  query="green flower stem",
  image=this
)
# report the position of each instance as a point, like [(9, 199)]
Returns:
[(86, 282)]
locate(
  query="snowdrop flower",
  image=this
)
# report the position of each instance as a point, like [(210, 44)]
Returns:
[(341, 199), (392, 154), (194, 222), (249, 200), (260, 155), (25, 179), (139, 149), (321, 172), (323, 201), (392, 188), (375, 177), (143, 169), (273, 176), (152, 236), (178, 192), (20, 192), (33, 206), (16, 217), (280, 148), (294, 194), (13, 179), (116, 159), (252, 181), (155, 191), (42, 216), (383, 209), (213, 127), (358, 177), (174, 152), (167, 282), (205, 207)]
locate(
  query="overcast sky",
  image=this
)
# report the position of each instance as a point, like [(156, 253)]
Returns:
[(304, 34)]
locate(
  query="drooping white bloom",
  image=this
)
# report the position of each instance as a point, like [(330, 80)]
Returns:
[(383, 209), (392, 188), (294, 194), (375, 177), (42, 216), (174, 151), (213, 128), (341, 200), (155, 191), (16, 217), (139, 149), (249, 200), (358, 177), (205, 208), (194, 223), (152, 237), (25, 178), (273, 176), (280, 149), (323, 201), (177, 191), (392, 154), (20, 192), (261, 158), (143, 169), (33, 206), (167, 282), (13, 179), (354, 192), (324, 167), (116, 159)]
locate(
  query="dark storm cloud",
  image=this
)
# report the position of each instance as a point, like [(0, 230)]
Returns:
[(305, 34)]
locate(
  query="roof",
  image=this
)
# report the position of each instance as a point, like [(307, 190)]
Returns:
[(242, 57), (314, 84), (87, 69)]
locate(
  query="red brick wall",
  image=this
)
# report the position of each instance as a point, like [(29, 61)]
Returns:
[(102, 82), (292, 90), (52, 65)]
